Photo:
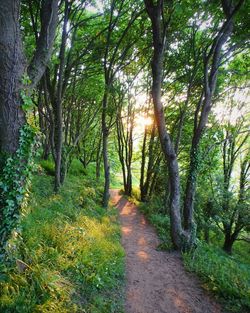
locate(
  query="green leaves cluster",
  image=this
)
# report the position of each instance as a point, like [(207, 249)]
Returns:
[(14, 182)]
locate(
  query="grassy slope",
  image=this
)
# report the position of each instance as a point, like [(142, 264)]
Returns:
[(71, 246), (228, 277)]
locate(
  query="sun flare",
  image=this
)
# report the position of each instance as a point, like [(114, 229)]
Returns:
[(142, 121)]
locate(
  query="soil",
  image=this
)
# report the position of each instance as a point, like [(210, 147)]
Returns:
[(156, 281)]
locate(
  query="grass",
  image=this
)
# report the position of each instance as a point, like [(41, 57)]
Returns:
[(222, 274), (228, 277), (154, 211), (69, 258)]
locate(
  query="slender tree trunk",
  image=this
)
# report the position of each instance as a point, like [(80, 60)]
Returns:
[(155, 14), (105, 133), (129, 149), (59, 173), (98, 159), (151, 163), (211, 66), (143, 164)]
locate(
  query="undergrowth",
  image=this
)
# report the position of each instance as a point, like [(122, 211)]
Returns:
[(155, 213), (69, 258), (226, 276)]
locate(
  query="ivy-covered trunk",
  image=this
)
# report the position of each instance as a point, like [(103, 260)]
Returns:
[(17, 137), (12, 117)]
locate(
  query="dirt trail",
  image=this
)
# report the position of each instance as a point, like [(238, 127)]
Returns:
[(156, 281)]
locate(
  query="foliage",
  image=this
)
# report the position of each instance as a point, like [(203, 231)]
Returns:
[(73, 264), (221, 274), (15, 182), (154, 211), (48, 166)]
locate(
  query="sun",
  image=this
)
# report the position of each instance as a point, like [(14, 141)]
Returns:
[(143, 121)]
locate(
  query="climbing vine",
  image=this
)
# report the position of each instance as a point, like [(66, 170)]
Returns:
[(15, 182)]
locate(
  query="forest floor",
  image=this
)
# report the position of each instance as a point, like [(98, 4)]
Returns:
[(156, 281)]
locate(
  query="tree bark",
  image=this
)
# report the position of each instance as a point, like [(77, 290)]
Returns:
[(57, 105), (49, 14), (143, 164), (105, 133), (12, 67), (159, 37), (13, 64), (229, 240)]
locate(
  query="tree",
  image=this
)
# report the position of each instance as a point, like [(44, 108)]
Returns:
[(15, 83), (116, 51), (13, 67), (124, 129), (159, 28), (160, 14), (212, 62)]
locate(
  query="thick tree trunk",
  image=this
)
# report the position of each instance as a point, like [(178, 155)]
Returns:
[(12, 67), (12, 71), (228, 243)]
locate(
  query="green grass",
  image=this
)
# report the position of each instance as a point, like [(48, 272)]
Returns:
[(222, 274), (71, 251), (153, 210)]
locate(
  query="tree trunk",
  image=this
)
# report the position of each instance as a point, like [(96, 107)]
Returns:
[(143, 163), (105, 133), (98, 159), (190, 192), (155, 14), (212, 63), (128, 190), (12, 67), (59, 171), (228, 243)]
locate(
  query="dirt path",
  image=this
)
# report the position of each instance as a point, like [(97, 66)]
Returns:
[(156, 281)]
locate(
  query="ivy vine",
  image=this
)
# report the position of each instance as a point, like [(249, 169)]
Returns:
[(15, 182)]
